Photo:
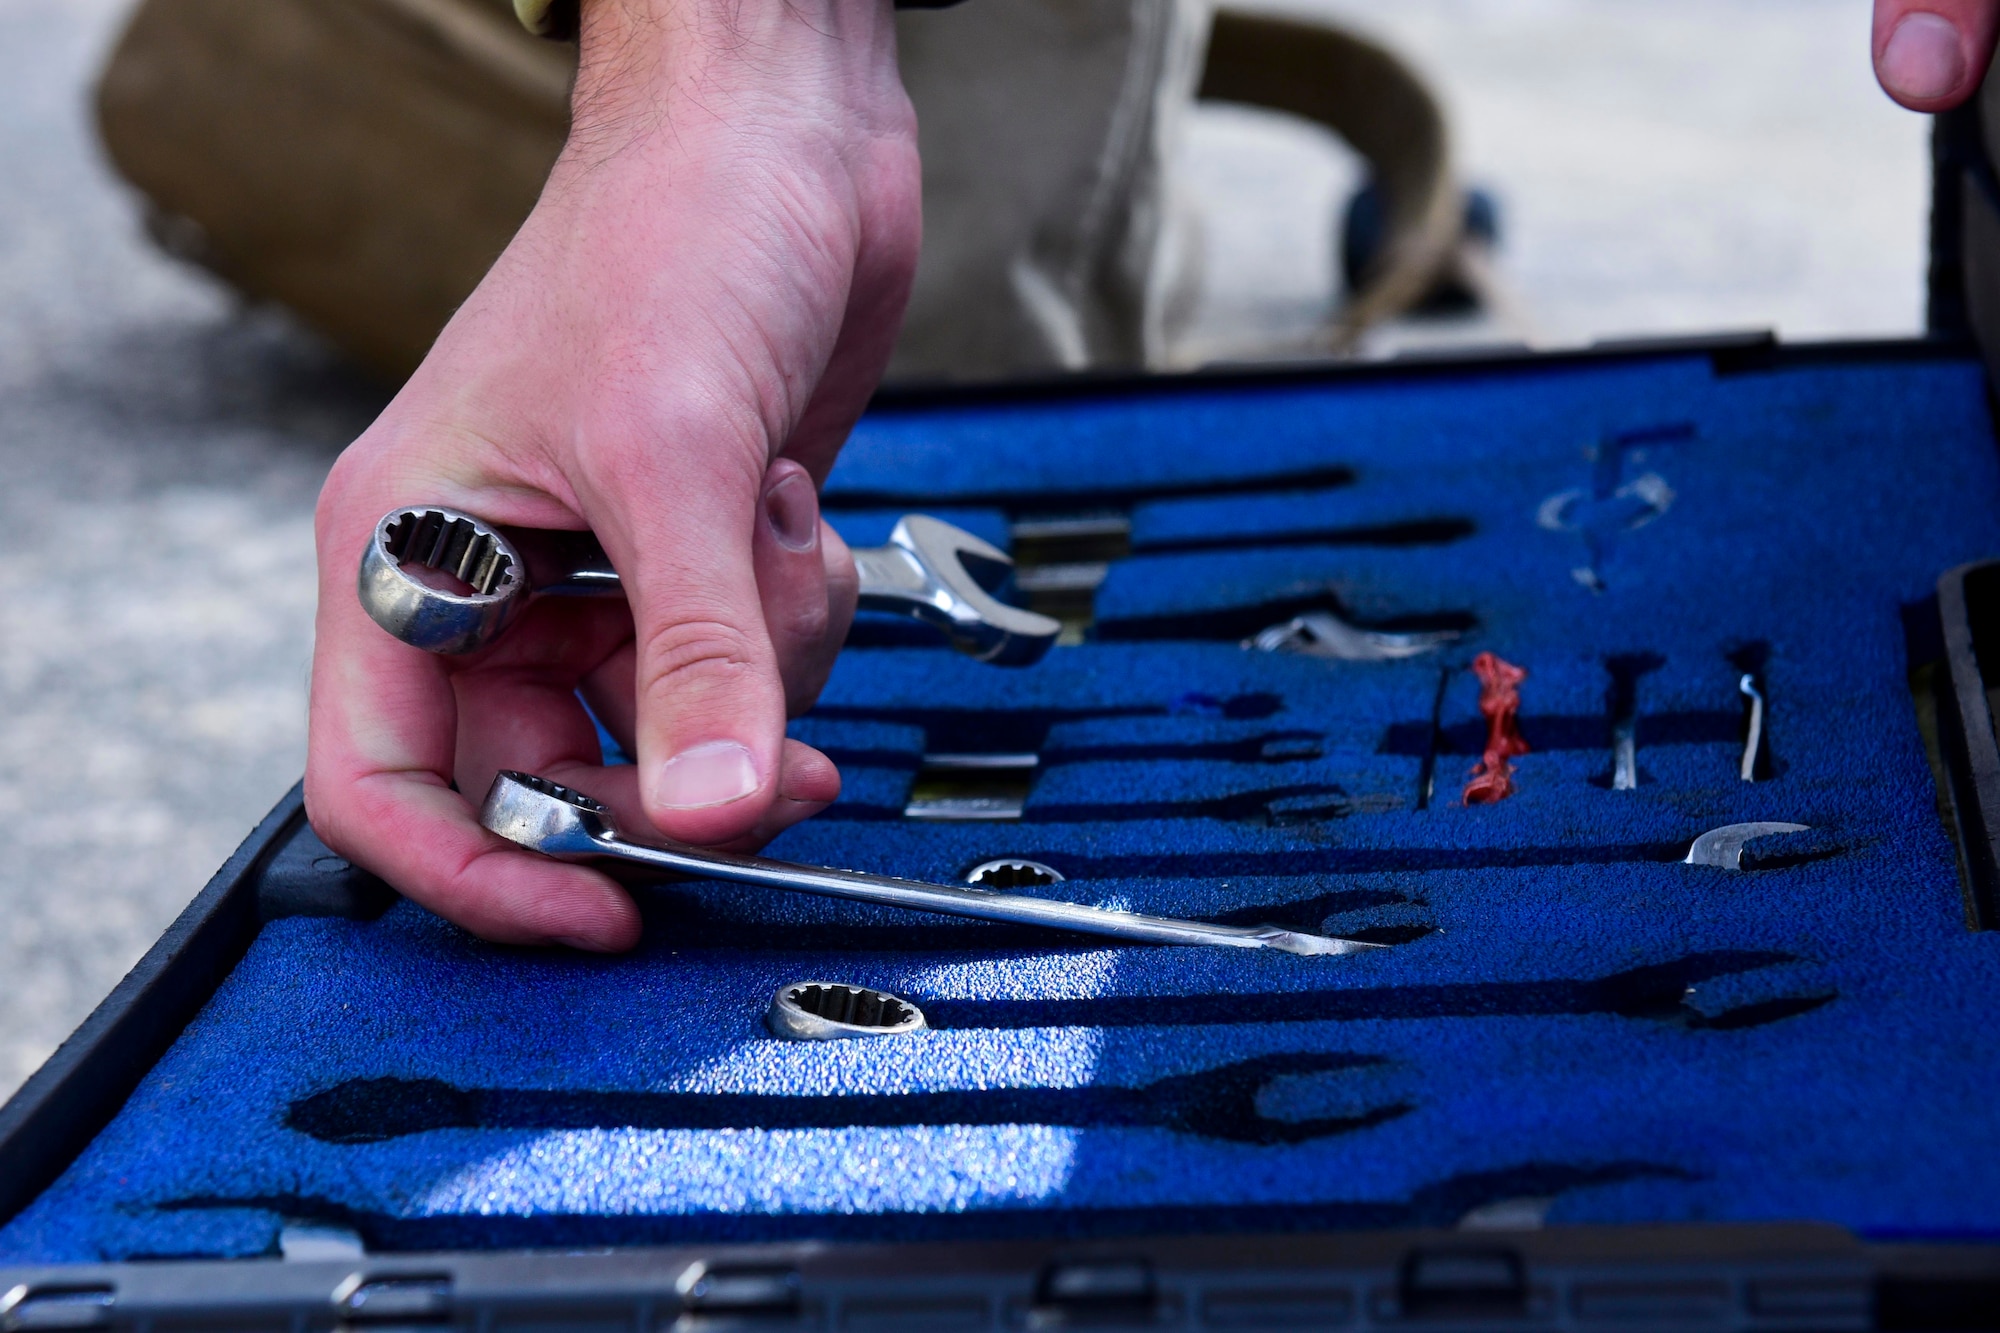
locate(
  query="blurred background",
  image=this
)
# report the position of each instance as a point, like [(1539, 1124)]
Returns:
[(1642, 167)]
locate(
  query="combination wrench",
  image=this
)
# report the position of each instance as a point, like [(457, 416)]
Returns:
[(570, 826), (930, 571)]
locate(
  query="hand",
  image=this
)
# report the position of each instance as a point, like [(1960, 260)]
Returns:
[(1930, 55), (669, 354)]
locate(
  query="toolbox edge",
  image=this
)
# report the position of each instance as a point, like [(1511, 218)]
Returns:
[(1730, 351), (1756, 1276), (52, 1117)]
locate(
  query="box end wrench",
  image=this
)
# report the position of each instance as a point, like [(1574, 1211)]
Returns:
[(930, 571), (570, 826)]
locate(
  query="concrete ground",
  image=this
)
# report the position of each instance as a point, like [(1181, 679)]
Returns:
[(1662, 165)]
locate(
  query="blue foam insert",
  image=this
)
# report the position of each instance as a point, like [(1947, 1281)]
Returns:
[(1567, 1014)]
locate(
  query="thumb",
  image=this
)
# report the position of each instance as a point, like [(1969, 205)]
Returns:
[(710, 700), (1931, 54)]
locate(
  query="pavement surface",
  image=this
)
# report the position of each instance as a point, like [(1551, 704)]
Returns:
[(1662, 166), (160, 448)]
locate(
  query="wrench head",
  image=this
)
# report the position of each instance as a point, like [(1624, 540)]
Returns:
[(545, 816), (448, 542), (1723, 847), (1324, 634), (957, 570)]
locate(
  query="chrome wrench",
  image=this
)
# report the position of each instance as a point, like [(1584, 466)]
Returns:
[(569, 826), (1324, 634), (929, 571)]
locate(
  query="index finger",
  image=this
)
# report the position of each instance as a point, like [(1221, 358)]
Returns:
[(383, 735)]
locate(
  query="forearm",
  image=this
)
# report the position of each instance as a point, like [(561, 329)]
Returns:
[(731, 191), (782, 123)]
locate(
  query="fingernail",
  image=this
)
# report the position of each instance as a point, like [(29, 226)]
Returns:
[(1923, 59), (792, 510), (713, 773)]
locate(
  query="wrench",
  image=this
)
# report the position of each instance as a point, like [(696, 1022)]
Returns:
[(1723, 847), (1324, 634), (569, 826), (929, 571), (1753, 739)]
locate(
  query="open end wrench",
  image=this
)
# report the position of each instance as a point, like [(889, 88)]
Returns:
[(569, 826), (929, 571)]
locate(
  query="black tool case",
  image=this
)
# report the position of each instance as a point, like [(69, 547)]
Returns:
[(1594, 1080)]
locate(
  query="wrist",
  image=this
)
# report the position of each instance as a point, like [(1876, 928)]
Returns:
[(727, 60), (558, 19)]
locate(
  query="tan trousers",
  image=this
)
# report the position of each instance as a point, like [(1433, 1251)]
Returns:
[(363, 161)]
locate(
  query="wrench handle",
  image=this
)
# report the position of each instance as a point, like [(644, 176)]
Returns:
[(924, 573), (954, 900)]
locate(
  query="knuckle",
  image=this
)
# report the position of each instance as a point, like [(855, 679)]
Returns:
[(675, 654), (806, 624), (331, 813), (334, 494)]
